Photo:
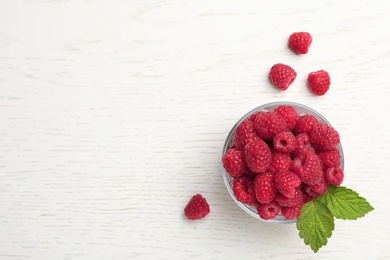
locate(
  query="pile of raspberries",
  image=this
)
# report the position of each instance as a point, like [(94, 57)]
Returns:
[(282, 75), (279, 160)]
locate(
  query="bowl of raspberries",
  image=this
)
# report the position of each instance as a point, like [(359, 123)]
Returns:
[(279, 156)]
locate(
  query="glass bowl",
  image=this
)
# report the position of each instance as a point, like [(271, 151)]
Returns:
[(301, 109)]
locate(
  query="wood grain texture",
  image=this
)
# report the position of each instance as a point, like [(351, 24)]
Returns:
[(114, 113)]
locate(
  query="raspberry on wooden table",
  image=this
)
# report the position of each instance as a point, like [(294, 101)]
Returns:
[(282, 76), (318, 82), (299, 42), (197, 208)]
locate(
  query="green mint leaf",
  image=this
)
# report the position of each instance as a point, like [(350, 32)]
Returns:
[(315, 224), (345, 203)]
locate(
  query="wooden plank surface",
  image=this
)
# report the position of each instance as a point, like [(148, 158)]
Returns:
[(114, 113)]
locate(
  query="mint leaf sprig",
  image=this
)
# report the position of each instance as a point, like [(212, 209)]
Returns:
[(316, 221)]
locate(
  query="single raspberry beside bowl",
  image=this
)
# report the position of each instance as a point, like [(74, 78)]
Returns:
[(282, 76), (197, 208), (299, 42), (319, 82)]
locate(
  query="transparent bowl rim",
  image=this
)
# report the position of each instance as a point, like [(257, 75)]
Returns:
[(226, 177)]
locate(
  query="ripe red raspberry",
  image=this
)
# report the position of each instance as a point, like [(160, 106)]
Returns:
[(268, 124), (283, 201), (257, 156), (299, 42), (307, 165), (280, 162), (265, 189), (334, 176), (269, 210), (303, 145), (312, 170), (281, 76), (324, 137), (286, 182), (330, 158), (284, 142), (292, 212), (256, 114), (243, 189), (233, 162), (318, 82), (197, 208), (307, 190), (245, 133), (321, 188), (318, 189), (289, 115), (297, 164), (305, 124)]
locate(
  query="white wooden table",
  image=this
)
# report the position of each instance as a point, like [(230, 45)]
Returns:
[(114, 113)]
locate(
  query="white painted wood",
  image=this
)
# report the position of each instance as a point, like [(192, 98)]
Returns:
[(114, 113)]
